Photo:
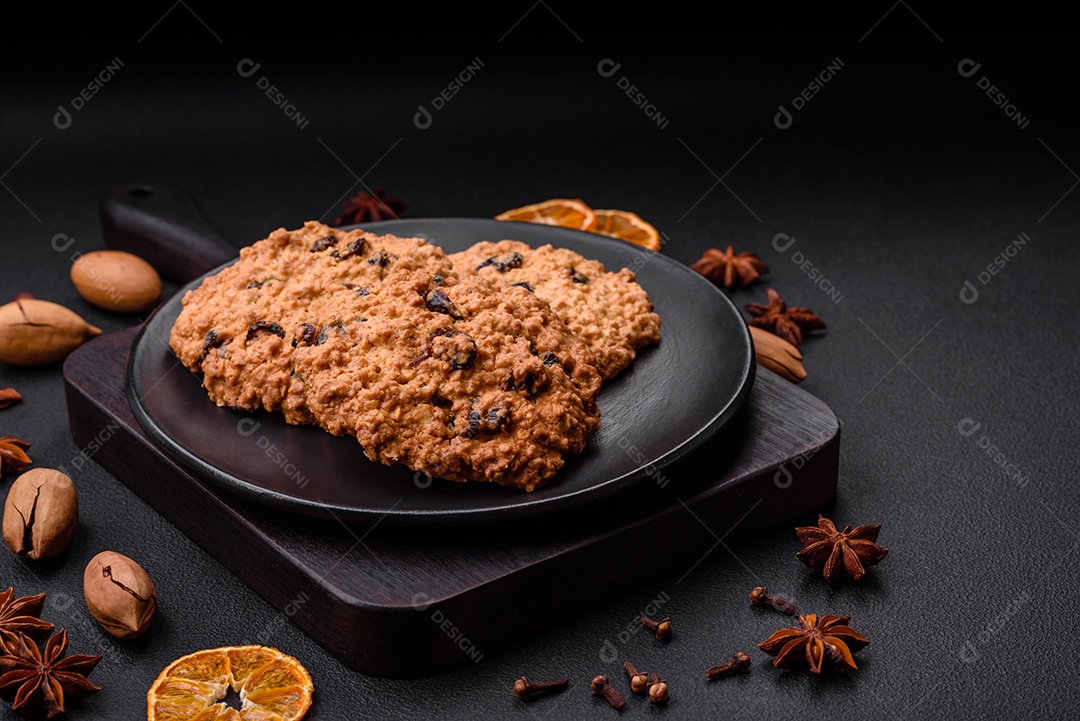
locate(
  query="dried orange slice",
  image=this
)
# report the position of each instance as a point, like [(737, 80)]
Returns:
[(558, 211), (271, 685), (627, 226)]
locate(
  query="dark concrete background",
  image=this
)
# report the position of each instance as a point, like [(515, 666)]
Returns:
[(899, 181)]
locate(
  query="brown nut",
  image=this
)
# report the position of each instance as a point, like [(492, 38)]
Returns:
[(115, 280), (40, 514), (33, 332), (119, 594), (779, 356)]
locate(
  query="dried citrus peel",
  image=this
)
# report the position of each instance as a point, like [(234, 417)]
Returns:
[(271, 685)]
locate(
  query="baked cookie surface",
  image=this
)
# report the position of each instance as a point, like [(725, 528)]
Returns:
[(240, 326), (464, 380), (607, 310), (376, 337)]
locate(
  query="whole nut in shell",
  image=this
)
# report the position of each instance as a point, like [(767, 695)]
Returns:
[(115, 280), (40, 514), (33, 332), (119, 594)]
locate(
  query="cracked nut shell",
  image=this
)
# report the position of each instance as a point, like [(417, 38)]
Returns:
[(119, 594), (35, 332), (40, 514)]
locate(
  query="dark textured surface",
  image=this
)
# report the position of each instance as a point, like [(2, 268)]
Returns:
[(900, 180)]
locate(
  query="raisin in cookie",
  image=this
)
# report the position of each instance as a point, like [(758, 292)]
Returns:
[(240, 327), (465, 380), (609, 311)]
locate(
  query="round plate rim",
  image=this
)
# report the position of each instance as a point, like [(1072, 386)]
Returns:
[(414, 517)]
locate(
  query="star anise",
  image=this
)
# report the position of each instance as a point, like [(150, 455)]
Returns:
[(9, 396), (728, 269), (13, 458), (21, 616), (788, 323), (37, 681), (365, 207), (810, 641), (839, 552)]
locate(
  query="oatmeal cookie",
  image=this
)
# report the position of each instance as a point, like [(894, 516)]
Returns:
[(608, 310), (240, 326), (465, 380)]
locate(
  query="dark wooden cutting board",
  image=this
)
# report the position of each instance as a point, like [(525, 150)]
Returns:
[(406, 602)]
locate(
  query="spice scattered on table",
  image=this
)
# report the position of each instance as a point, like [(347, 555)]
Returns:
[(739, 662), (525, 689), (658, 689), (776, 354), (639, 681), (119, 594), (40, 513), (760, 596), (662, 628), (35, 332), (13, 458), (840, 552), (365, 207), (814, 642), (44, 682), (601, 686), (21, 617), (273, 685), (731, 270), (788, 322), (9, 397)]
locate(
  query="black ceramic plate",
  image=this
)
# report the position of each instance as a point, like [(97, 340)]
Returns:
[(672, 399)]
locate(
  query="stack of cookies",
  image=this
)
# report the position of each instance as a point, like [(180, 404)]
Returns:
[(484, 365)]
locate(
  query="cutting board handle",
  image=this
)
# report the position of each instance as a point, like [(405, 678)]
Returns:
[(165, 226)]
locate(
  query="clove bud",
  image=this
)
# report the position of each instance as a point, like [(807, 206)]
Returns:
[(40, 514), (119, 594), (760, 596), (601, 686), (658, 689), (739, 662)]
